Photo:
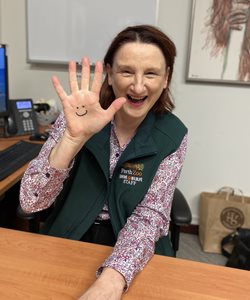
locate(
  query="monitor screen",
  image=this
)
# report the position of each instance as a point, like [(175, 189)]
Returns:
[(3, 81)]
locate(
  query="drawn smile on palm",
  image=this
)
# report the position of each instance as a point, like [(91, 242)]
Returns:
[(81, 111)]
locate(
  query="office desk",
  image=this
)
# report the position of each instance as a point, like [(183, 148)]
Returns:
[(41, 267), (9, 181)]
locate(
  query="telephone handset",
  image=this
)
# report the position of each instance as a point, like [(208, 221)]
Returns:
[(22, 118)]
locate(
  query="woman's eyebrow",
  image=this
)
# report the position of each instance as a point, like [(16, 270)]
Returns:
[(123, 66), (154, 69), (151, 69)]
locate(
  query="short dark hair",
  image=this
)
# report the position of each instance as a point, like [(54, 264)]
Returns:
[(149, 35)]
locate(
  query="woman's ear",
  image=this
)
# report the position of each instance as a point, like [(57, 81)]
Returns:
[(109, 73)]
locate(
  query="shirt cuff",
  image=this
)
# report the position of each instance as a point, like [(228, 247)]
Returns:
[(127, 276)]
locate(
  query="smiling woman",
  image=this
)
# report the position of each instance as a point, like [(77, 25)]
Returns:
[(130, 78), (122, 150)]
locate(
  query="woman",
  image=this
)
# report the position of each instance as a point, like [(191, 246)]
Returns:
[(121, 150)]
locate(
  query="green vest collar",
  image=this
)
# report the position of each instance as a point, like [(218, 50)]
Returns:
[(141, 145)]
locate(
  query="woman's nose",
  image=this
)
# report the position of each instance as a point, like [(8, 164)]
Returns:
[(138, 84)]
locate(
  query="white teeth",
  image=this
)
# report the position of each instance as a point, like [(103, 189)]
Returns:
[(137, 99)]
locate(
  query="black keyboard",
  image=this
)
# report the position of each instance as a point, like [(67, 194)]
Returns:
[(17, 155)]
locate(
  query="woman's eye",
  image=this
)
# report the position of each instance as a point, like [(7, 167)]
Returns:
[(126, 73), (151, 74)]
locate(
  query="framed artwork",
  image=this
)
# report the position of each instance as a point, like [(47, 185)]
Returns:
[(219, 48)]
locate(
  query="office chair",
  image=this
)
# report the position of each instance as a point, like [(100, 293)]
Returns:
[(180, 216), (34, 219)]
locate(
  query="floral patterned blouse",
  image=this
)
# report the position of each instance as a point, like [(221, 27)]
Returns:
[(135, 245)]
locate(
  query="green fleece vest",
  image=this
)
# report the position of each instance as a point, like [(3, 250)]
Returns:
[(89, 185)]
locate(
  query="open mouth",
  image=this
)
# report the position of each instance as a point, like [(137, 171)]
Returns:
[(136, 100)]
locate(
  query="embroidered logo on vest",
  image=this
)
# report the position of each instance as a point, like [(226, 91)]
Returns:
[(131, 173)]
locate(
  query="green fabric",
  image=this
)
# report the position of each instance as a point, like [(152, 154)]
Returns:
[(83, 198)]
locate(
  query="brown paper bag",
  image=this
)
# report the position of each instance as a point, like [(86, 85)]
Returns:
[(220, 214)]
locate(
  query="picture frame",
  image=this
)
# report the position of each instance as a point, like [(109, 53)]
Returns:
[(219, 51)]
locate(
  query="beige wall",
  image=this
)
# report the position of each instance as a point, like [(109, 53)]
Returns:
[(217, 115)]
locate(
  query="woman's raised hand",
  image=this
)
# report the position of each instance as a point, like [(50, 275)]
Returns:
[(83, 113)]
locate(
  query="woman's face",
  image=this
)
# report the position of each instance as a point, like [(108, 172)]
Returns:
[(138, 74)]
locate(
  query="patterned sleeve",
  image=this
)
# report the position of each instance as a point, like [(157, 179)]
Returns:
[(41, 183), (150, 220)]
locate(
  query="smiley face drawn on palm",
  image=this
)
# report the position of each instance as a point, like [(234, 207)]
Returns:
[(81, 111), (83, 100)]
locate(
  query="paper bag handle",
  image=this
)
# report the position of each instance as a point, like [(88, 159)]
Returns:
[(231, 191)]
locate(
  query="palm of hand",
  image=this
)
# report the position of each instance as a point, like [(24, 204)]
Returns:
[(83, 112)]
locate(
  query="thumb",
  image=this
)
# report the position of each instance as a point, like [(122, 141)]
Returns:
[(115, 106)]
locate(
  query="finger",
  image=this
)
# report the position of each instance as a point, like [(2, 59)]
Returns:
[(237, 21), (73, 83), (237, 18), (115, 106), (236, 27), (85, 74), (97, 81), (243, 2), (59, 90), (238, 13)]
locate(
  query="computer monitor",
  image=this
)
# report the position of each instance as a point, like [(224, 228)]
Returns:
[(4, 87)]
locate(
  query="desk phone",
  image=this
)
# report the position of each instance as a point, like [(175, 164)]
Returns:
[(22, 118)]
